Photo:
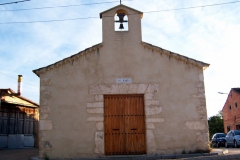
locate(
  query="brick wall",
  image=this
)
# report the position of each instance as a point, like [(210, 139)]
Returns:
[(231, 111)]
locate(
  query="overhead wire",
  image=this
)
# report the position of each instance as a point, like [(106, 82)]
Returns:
[(74, 5), (166, 10), (14, 2), (16, 79)]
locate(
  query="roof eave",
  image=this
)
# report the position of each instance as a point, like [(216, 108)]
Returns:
[(121, 5)]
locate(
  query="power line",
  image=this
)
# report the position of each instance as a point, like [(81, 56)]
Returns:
[(74, 5), (14, 2), (166, 10), (55, 20), (16, 79), (210, 5)]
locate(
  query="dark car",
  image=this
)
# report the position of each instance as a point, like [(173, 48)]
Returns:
[(218, 140), (233, 138)]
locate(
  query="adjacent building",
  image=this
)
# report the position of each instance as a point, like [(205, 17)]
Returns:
[(122, 96), (18, 121), (231, 110)]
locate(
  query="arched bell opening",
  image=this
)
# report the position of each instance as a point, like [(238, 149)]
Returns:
[(121, 20)]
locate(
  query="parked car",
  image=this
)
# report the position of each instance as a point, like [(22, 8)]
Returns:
[(233, 138), (218, 140)]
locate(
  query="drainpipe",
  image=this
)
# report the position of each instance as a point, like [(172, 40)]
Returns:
[(19, 84)]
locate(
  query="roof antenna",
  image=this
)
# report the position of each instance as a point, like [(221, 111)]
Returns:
[(120, 1)]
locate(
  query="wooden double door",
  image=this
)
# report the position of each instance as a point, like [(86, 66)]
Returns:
[(124, 124)]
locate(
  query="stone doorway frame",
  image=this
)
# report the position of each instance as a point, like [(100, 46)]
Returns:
[(151, 107)]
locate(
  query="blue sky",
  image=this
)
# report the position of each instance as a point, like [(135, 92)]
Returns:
[(208, 34)]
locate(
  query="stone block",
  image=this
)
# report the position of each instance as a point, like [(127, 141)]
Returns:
[(94, 89), (152, 88), (148, 96), (123, 88), (201, 78), (199, 84), (46, 144), (45, 125), (43, 116), (202, 136), (99, 143), (200, 95), (44, 97), (195, 125), (142, 88), (132, 88), (98, 98), (151, 144), (154, 120), (99, 126), (45, 82), (201, 109), (201, 90), (95, 105), (152, 110), (95, 110), (151, 103), (150, 126), (45, 109), (97, 119), (109, 89), (42, 88)]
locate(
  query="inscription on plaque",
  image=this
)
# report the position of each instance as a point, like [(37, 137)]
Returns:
[(123, 80)]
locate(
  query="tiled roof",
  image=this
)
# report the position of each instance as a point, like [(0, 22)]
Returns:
[(236, 90), (9, 96)]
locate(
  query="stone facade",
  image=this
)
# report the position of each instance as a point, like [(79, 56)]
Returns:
[(72, 94), (231, 111)]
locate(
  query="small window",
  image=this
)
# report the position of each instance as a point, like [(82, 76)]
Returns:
[(236, 105), (230, 107), (228, 128)]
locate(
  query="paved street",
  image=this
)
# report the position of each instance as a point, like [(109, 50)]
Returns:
[(25, 154), (18, 154), (227, 151)]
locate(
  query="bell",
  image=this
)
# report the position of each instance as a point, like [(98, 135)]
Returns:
[(121, 16), (121, 26)]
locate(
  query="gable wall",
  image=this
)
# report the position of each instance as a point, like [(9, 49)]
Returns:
[(71, 105)]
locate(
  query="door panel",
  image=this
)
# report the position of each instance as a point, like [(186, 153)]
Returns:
[(124, 122)]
